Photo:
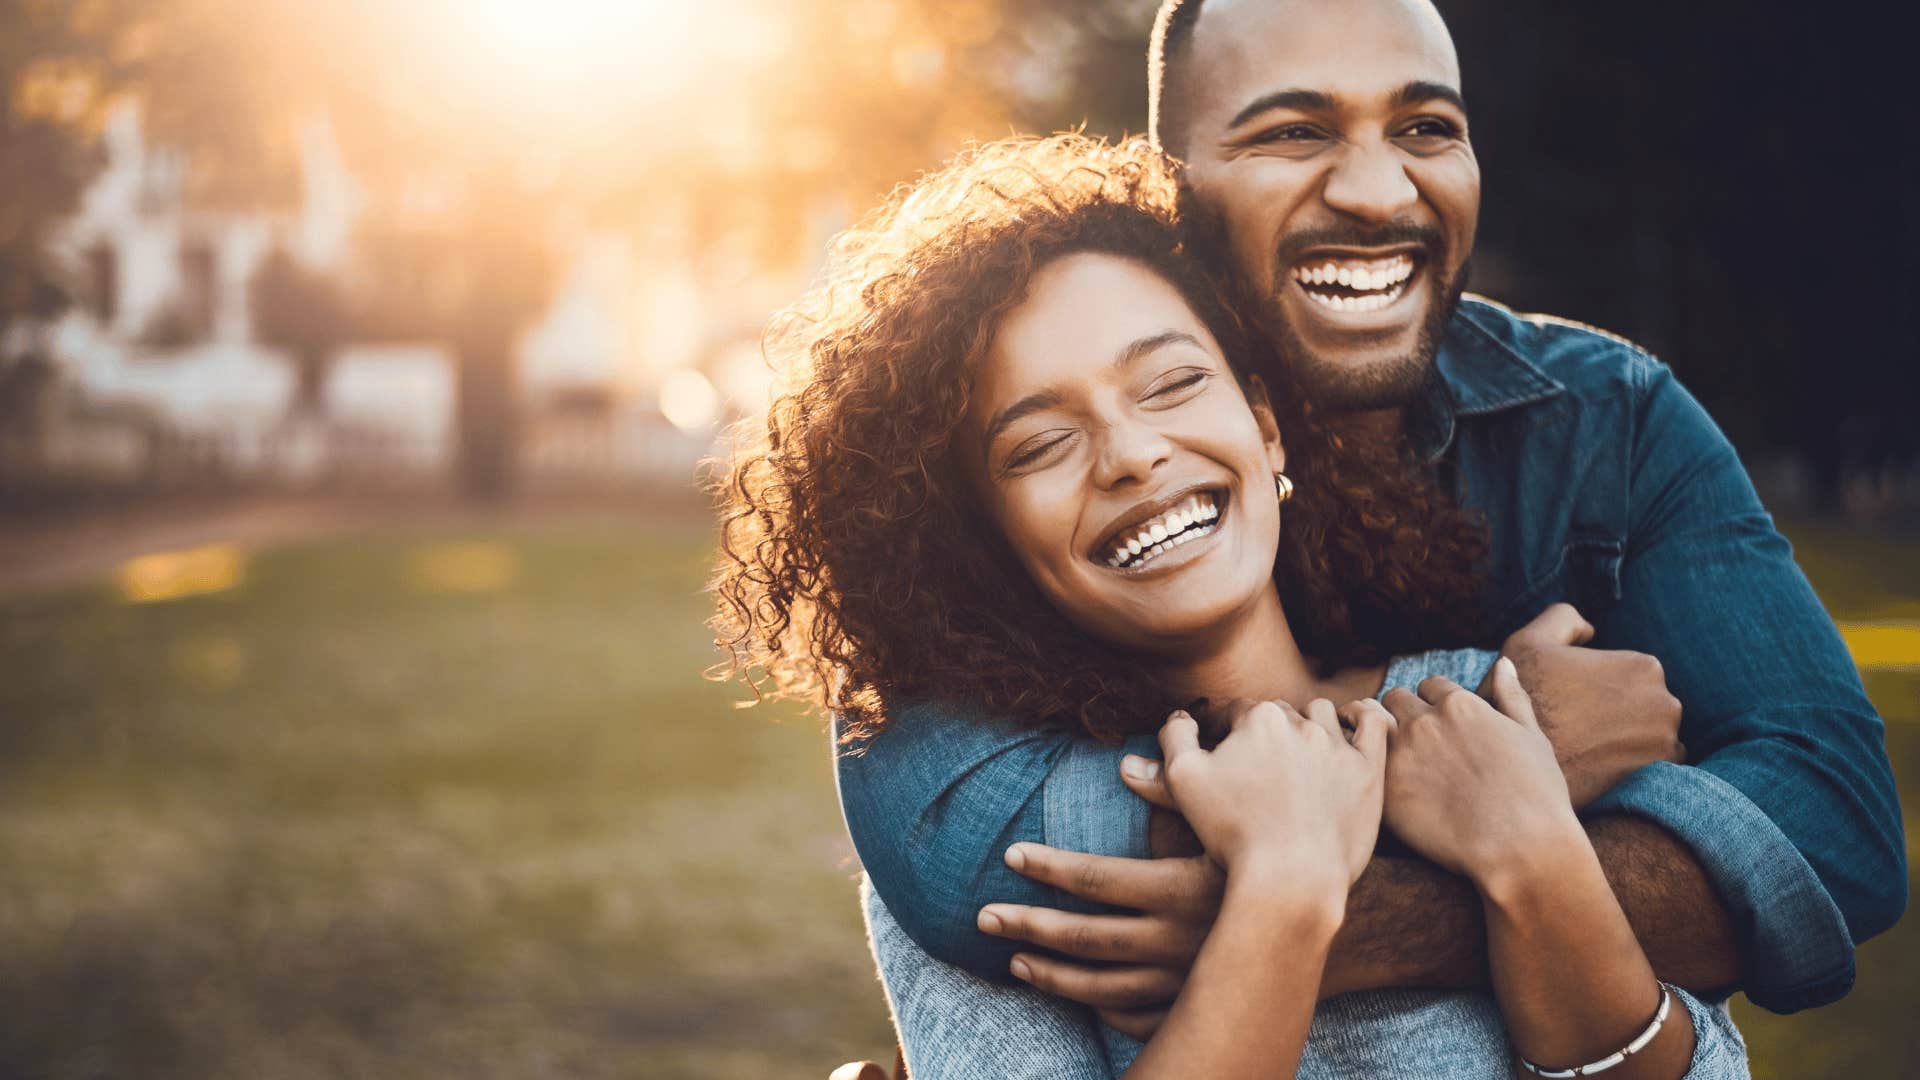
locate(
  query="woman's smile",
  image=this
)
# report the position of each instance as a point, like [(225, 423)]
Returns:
[(1162, 540)]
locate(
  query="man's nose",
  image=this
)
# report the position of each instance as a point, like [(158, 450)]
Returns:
[(1370, 182), (1130, 451)]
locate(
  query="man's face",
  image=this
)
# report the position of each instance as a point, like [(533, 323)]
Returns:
[(1327, 155)]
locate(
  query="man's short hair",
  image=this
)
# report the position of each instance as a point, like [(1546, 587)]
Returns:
[(1166, 82)]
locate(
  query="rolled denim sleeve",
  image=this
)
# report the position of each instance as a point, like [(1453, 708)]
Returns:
[(935, 799), (1774, 710), (1795, 944)]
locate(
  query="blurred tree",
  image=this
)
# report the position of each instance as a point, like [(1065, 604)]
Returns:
[(58, 68), (303, 311)]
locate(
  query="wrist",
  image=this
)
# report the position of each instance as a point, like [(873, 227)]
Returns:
[(1310, 892), (1537, 865)]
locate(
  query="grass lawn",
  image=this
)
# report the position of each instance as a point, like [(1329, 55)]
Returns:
[(459, 803)]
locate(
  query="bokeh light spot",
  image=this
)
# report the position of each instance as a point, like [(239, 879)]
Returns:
[(170, 575), (466, 567), (688, 400), (1883, 646)]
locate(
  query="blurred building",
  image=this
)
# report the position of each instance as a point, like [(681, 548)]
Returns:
[(160, 375)]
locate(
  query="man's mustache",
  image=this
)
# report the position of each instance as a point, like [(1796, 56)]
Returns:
[(1393, 233)]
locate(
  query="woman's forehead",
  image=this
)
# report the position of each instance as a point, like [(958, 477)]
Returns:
[(1084, 316)]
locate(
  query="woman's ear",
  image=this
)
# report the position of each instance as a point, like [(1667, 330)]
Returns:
[(1263, 416)]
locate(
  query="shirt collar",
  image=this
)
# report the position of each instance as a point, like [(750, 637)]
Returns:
[(1479, 372)]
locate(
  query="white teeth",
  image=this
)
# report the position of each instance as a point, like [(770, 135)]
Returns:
[(1373, 302), (1371, 276), (1190, 519)]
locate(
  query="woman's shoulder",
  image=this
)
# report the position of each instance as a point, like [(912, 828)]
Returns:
[(1468, 667)]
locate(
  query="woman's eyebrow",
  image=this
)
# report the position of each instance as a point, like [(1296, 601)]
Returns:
[(1026, 406), (1152, 342)]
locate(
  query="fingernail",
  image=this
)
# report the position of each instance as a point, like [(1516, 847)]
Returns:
[(990, 921), (1506, 668), (1179, 714), (1017, 857), (1139, 768), (1021, 971)]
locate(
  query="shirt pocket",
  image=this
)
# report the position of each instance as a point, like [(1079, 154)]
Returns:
[(1586, 575)]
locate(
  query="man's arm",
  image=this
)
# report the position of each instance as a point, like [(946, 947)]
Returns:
[(934, 801), (1409, 923), (1775, 710)]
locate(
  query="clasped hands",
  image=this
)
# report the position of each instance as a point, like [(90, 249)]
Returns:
[(1469, 783)]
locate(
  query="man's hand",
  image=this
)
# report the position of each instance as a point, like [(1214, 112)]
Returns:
[(1137, 963), (1606, 712)]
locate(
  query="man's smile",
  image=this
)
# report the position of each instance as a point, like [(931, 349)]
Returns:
[(1361, 291)]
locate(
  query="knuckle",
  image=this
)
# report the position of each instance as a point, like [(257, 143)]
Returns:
[(1089, 878), (1083, 940)]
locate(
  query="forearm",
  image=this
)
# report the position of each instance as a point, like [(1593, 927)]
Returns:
[(1572, 983), (1668, 900), (1411, 924), (1239, 1015), (1408, 923)]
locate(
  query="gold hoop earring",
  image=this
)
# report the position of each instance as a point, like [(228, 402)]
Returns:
[(1282, 486)]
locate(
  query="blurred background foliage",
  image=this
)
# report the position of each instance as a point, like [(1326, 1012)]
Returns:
[(355, 361)]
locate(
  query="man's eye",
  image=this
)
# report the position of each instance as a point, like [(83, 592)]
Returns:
[(1290, 133), (1432, 128)]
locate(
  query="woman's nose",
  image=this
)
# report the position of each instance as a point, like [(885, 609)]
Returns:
[(1130, 451)]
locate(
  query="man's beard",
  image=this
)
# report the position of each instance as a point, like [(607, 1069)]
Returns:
[(1330, 385)]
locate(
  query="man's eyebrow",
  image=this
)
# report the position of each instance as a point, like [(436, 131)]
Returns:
[(1421, 90), (1047, 399), (1302, 100)]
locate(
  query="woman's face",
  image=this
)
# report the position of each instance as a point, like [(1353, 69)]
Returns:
[(1118, 455)]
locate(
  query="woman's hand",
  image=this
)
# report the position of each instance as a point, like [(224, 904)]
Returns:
[(1284, 793), (1472, 787)]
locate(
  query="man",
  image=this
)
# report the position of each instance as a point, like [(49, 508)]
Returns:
[(1332, 176)]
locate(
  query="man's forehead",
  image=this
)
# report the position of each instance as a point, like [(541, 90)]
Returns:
[(1352, 50)]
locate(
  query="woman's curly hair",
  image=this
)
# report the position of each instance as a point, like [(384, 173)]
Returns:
[(860, 572)]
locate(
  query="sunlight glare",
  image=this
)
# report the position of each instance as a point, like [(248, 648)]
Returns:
[(688, 400)]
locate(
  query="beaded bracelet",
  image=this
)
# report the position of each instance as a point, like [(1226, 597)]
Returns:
[(1638, 1044)]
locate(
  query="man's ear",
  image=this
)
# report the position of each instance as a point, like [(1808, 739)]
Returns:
[(1263, 416)]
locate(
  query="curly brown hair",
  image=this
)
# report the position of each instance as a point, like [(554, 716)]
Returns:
[(858, 570)]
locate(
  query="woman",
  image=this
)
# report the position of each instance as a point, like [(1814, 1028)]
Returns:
[(1015, 462)]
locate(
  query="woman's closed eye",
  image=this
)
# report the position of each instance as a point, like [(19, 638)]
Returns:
[(1177, 387), (1039, 450)]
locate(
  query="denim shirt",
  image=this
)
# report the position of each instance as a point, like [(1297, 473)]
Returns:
[(1603, 483)]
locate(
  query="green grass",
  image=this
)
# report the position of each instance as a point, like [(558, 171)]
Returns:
[(328, 824)]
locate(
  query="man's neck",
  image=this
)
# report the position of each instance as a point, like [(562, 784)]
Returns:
[(1374, 426)]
